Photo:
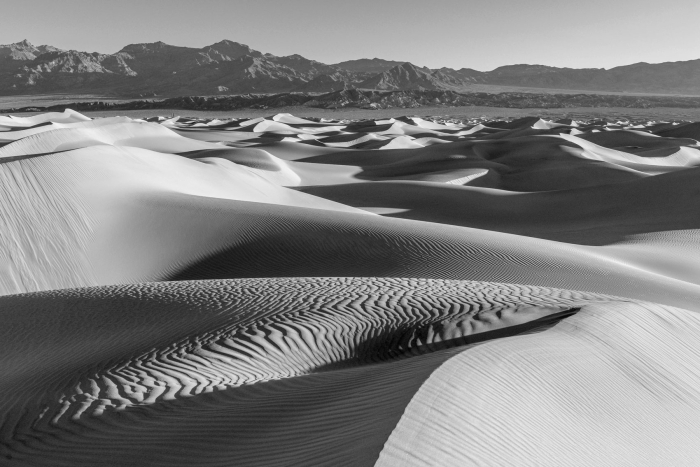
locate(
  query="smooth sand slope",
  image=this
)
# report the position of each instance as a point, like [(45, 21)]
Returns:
[(289, 291)]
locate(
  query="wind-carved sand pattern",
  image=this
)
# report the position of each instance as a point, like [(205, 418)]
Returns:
[(288, 291)]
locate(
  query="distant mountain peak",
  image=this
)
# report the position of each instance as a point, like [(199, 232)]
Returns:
[(367, 65), (228, 41), (20, 51), (230, 50), (148, 47)]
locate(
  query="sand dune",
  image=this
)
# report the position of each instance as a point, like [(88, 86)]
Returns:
[(640, 417), (12, 123), (297, 291), (171, 345)]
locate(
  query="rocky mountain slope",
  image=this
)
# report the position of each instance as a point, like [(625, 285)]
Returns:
[(227, 67), (408, 76)]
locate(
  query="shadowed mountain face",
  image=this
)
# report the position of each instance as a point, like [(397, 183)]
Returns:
[(232, 68)]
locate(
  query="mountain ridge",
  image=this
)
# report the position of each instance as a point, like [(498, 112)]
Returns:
[(228, 67)]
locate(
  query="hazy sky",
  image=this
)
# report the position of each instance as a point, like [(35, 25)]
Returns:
[(453, 33)]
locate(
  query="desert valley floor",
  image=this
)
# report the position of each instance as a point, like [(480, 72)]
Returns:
[(282, 291)]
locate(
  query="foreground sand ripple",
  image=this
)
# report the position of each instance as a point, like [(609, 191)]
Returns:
[(326, 371), (160, 343)]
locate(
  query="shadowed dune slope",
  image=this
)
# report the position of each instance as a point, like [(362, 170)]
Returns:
[(592, 215), (296, 242)]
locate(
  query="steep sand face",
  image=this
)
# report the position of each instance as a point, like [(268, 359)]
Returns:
[(287, 291), (616, 384)]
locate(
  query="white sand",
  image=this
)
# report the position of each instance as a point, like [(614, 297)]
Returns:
[(525, 293)]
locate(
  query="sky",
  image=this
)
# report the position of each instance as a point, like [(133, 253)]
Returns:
[(447, 33)]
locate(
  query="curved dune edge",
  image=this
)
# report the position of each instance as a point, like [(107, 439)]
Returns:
[(164, 350), (616, 384)]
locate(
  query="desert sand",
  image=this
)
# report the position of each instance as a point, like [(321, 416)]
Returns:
[(284, 290)]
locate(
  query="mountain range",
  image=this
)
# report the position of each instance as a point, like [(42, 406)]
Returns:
[(227, 67)]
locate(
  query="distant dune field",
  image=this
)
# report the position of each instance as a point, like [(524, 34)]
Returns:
[(291, 290), (464, 113)]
